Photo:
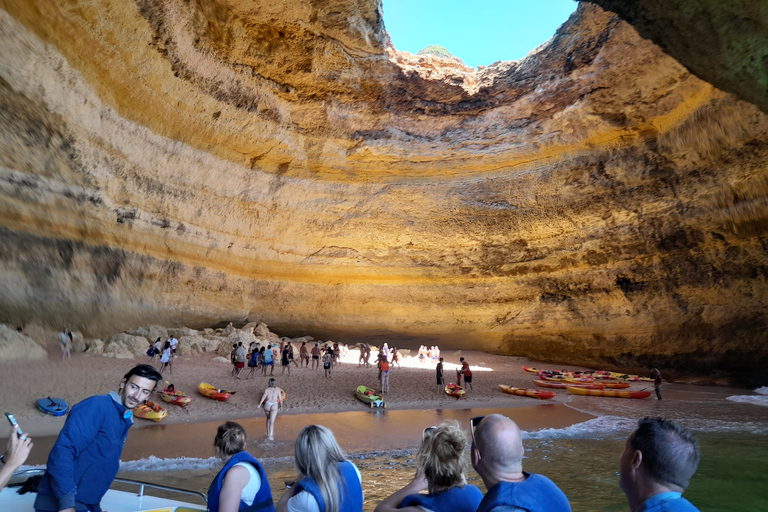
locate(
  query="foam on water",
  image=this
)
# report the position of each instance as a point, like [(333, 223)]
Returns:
[(762, 391), (761, 399), (153, 463), (597, 427)]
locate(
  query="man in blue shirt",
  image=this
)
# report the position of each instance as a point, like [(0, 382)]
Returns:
[(497, 456), (658, 462), (86, 456)]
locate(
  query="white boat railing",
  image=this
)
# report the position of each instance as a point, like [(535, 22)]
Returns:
[(161, 487), (20, 476)]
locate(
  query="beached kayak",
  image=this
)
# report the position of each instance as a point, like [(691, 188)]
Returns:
[(531, 369), (631, 378), (369, 396), (613, 393), (221, 395), (563, 385), (454, 390), (150, 411), (532, 393), (614, 385), (174, 396)]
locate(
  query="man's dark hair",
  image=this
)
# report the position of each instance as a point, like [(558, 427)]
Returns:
[(670, 453), (145, 371)]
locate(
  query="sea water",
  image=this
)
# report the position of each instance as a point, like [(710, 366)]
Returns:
[(732, 475), (582, 458)]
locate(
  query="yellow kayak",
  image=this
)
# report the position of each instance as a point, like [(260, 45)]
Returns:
[(150, 411), (613, 393), (532, 393)]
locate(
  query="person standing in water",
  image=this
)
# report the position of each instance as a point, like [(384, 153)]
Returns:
[(272, 399)]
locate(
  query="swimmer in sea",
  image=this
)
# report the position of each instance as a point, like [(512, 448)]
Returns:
[(273, 402)]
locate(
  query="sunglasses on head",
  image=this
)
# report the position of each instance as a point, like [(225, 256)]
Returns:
[(427, 432), (473, 423)]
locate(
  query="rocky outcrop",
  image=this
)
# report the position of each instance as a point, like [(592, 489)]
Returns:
[(126, 346), (200, 163), (16, 346), (724, 43)]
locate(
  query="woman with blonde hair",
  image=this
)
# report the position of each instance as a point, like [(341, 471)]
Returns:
[(242, 483), (327, 481), (441, 464)]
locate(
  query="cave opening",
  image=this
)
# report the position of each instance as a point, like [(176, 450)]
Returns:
[(478, 33)]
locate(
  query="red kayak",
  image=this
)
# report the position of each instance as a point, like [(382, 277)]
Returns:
[(454, 390), (613, 393), (563, 385)]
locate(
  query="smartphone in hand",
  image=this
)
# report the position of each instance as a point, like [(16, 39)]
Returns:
[(15, 425)]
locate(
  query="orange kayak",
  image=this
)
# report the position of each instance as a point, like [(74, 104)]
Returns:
[(454, 390), (563, 385), (150, 411), (221, 395), (613, 393), (530, 369), (532, 393), (174, 396)]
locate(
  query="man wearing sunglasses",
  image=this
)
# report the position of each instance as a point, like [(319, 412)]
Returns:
[(497, 456)]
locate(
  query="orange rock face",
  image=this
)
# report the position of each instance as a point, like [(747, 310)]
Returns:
[(195, 162)]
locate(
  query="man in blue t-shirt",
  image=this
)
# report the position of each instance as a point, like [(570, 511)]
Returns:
[(497, 456), (658, 462)]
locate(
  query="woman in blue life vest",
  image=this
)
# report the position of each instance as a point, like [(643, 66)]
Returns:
[(242, 484), (327, 481), (441, 464)]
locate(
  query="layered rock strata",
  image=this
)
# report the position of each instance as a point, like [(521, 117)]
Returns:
[(188, 163)]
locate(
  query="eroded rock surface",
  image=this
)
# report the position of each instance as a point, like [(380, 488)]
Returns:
[(190, 163)]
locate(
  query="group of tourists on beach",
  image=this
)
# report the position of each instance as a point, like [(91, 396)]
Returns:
[(263, 357), (658, 461), (164, 352)]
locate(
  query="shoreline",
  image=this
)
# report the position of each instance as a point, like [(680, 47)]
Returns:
[(308, 395)]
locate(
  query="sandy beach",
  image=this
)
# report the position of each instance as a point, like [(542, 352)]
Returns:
[(308, 391)]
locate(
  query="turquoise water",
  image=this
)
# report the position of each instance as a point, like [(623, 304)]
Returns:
[(733, 475)]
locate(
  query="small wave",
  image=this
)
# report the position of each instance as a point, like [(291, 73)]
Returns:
[(762, 391), (762, 399), (153, 463), (595, 428)]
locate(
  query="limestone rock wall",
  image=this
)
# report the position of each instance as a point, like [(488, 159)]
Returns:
[(190, 163)]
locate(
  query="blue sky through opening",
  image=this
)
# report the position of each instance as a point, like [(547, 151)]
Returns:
[(479, 32)]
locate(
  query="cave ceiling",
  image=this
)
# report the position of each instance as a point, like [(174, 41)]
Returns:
[(602, 201)]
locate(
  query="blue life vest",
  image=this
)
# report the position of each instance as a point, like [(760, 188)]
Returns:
[(536, 493), (350, 489), (668, 502), (455, 499), (263, 499)]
